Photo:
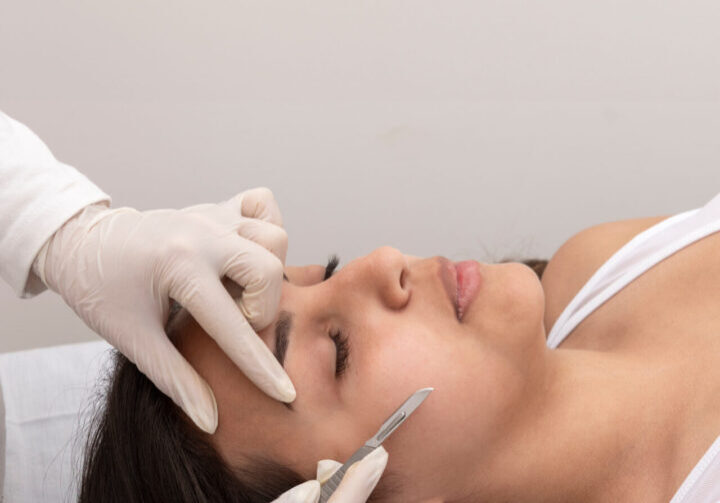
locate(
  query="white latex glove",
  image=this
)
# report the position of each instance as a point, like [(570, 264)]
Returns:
[(356, 486), (118, 268)]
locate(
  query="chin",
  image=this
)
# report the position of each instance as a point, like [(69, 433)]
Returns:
[(510, 304)]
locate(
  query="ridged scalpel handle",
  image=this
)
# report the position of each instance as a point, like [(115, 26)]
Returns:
[(332, 484)]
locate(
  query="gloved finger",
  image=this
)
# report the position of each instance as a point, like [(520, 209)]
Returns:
[(307, 492), (163, 364), (260, 274), (214, 309), (256, 203), (361, 478), (326, 468), (268, 235)]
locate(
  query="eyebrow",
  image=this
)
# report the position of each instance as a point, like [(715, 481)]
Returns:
[(282, 335)]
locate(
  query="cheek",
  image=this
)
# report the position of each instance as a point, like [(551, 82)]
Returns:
[(475, 394)]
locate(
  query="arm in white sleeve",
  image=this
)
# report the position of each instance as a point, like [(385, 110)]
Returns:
[(38, 194)]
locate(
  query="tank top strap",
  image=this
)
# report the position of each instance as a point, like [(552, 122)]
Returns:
[(635, 257)]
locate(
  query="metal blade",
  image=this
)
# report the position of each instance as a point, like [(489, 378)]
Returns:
[(399, 416), (389, 426)]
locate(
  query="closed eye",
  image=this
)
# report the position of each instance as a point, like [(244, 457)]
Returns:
[(342, 349), (342, 352)]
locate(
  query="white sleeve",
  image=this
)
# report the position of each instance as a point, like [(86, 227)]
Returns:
[(38, 194)]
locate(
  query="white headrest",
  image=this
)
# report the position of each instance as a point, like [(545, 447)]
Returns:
[(44, 392)]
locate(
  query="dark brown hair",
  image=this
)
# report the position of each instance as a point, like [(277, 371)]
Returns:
[(537, 265), (142, 448)]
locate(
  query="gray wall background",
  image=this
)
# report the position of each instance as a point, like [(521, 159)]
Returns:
[(470, 129)]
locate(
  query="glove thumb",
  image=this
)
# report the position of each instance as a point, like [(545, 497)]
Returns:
[(361, 478), (326, 468)]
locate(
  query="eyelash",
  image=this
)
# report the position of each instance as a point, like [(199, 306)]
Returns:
[(342, 346), (342, 351), (333, 262)]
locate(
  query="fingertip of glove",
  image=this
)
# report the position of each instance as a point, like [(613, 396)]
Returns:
[(379, 456), (205, 414), (282, 392), (286, 390), (282, 387), (326, 468)]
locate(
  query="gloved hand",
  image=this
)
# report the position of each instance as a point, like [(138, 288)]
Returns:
[(117, 269), (356, 486)]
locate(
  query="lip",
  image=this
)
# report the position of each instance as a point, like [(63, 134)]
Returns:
[(468, 284), (448, 276)]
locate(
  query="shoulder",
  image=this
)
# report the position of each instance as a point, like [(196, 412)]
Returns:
[(580, 256)]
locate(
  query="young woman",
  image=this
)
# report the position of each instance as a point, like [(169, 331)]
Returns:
[(620, 403)]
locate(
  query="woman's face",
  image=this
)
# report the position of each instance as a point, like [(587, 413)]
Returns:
[(402, 335)]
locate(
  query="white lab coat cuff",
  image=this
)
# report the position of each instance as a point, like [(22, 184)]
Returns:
[(37, 224)]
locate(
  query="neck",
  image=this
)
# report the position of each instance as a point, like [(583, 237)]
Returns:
[(596, 430)]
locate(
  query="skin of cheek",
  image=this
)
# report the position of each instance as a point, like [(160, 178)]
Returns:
[(331, 429), (442, 436)]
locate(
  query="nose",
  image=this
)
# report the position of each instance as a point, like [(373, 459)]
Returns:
[(385, 271)]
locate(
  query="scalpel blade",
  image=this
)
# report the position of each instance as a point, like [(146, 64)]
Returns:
[(399, 416), (396, 419)]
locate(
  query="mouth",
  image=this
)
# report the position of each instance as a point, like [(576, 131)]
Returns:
[(469, 280), (448, 277), (461, 281)]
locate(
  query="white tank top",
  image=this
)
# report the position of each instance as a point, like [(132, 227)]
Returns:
[(645, 250)]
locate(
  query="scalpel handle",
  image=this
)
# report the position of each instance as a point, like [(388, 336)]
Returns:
[(332, 484)]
